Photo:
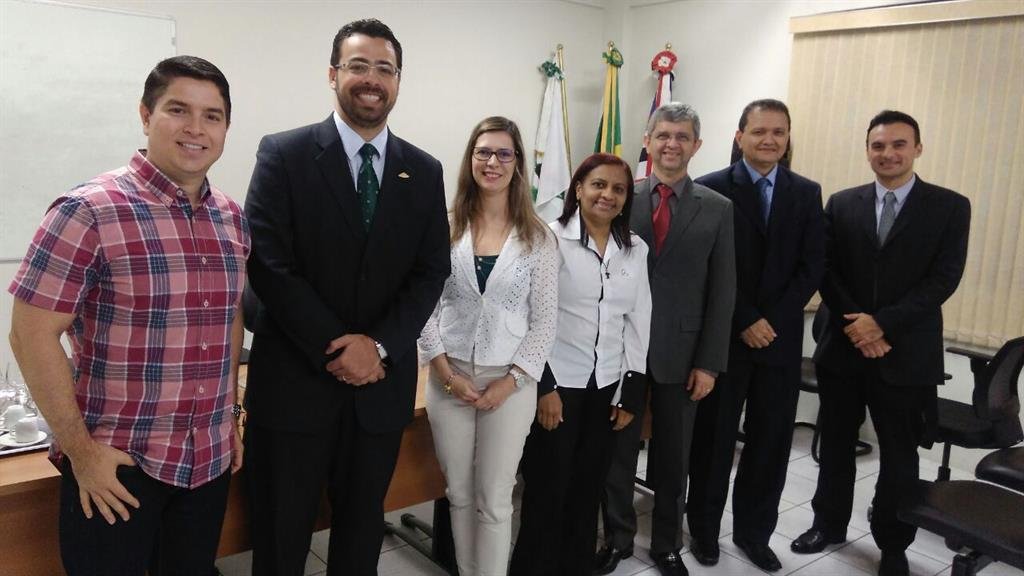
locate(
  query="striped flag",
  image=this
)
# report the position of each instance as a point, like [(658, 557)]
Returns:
[(609, 132), (551, 173), (662, 63)]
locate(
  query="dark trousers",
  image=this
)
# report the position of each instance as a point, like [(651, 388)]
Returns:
[(898, 414), (287, 472), (770, 394), (618, 513), (564, 471), (174, 532)]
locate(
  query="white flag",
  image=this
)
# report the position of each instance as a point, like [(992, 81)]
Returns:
[(551, 161)]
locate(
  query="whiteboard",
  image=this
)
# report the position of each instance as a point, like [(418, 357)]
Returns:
[(71, 79)]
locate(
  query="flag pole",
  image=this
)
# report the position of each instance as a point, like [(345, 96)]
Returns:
[(565, 108)]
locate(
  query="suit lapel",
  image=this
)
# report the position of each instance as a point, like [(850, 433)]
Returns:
[(868, 222), (782, 201), (463, 261), (510, 252), (333, 165), (746, 199), (687, 208), (395, 183), (643, 226)]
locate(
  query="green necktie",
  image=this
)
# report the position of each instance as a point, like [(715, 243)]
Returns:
[(367, 187)]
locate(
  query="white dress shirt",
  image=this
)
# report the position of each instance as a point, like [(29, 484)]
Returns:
[(901, 194), (604, 311), (352, 142), (512, 322)]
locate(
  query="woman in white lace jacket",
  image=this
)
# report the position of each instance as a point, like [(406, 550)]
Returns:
[(487, 342)]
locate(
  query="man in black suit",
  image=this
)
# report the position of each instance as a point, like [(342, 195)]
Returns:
[(350, 253), (895, 251), (779, 264)]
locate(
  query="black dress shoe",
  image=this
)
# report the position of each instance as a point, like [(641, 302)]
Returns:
[(813, 541), (608, 558), (894, 564), (760, 554), (670, 564), (705, 551)]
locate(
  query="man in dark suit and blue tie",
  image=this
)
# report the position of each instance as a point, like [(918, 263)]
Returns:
[(350, 253), (779, 264), (895, 251)]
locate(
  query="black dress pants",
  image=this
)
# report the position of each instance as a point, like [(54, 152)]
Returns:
[(564, 471), (899, 414), (287, 472), (770, 394), (174, 532)]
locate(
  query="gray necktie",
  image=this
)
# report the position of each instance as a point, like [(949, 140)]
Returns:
[(888, 216)]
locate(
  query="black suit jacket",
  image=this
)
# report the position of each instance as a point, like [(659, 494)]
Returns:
[(778, 268), (319, 275), (902, 283)]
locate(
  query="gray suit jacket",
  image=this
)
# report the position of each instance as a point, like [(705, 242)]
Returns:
[(693, 282)]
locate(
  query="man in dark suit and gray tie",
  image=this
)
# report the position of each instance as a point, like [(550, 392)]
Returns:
[(779, 264), (350, 253), (895, 251), (693, 281)]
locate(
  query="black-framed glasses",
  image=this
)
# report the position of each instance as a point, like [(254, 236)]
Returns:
[(360, 68), (505, 155)]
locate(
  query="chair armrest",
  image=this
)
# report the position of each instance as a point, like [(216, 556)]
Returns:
[(978, 359)]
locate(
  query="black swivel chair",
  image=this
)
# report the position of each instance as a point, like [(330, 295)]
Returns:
[(1004, 467), (992, 420), (982, 522)]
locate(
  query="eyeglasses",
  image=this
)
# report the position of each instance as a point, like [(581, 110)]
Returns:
[(505, 155), (386, 71)]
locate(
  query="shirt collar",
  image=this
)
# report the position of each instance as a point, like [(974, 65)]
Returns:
[(678, 189), (755, 175), (165, 190), (353, 141), (901, 192)]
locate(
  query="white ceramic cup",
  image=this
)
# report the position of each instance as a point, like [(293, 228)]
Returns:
[(14, 413), (27, 429)]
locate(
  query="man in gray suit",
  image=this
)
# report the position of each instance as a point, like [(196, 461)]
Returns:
[(689, 229)]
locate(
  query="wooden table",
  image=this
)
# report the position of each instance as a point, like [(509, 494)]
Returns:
[(30, 498)]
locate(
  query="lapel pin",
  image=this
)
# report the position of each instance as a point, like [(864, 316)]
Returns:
[(403, 175)]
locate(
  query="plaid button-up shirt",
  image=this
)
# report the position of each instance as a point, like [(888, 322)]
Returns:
[(154, 287)]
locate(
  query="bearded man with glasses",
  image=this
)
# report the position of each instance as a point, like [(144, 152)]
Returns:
[(350, 253)]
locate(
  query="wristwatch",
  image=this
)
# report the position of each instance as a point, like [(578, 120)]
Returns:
[(381, 351), (518, 376)]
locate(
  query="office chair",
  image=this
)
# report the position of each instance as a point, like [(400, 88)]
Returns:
[(990, 528), (992, 420)]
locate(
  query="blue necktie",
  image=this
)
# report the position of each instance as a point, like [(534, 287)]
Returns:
[(766, 205), (367, 186)]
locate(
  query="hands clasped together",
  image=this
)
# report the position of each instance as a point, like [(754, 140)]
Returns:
[(359, 362)]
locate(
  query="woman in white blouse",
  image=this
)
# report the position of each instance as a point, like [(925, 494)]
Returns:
[(487, 342), (593, 383)]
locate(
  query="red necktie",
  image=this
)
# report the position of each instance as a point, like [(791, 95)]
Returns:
[(662, 217)]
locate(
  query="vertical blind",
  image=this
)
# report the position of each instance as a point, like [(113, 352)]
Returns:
[(964, 83)]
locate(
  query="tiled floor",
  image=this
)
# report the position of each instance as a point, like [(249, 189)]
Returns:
[(857, 557)]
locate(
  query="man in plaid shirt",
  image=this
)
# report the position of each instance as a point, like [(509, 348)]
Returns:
[(143, 268)]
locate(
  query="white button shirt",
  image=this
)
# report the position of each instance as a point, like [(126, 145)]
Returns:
[(604, 311)]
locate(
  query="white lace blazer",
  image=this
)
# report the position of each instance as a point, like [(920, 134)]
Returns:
[(512, 322)]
